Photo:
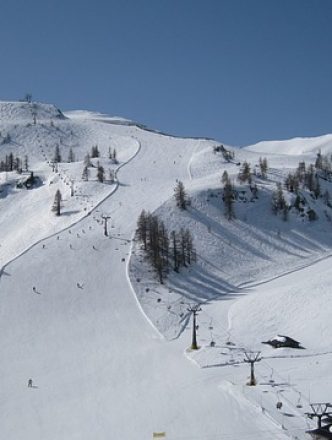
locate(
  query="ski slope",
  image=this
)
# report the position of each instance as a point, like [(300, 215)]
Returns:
[(109, 361)]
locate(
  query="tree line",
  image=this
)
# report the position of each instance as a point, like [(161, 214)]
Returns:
[(12, 163)]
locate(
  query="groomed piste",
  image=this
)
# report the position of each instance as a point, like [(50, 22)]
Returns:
[(107, 347)]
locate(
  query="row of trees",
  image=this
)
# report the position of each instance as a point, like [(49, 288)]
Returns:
[(57, 158), (279, 203), (245, 173), (165, 250), (100, 174), (324, 165), (112, 154), (304, 177), (95, 153), (5, 139), (12, 163), (228, 155)]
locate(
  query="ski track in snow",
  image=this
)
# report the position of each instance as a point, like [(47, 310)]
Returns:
[(80, 220), (127, 379)]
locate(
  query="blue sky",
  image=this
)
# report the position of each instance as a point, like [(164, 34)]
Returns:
[(236, 70)]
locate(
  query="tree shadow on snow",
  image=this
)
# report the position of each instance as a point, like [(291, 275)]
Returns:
[(198, 285), (68, 213)]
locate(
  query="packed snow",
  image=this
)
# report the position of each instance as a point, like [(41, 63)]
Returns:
[(107, 347)]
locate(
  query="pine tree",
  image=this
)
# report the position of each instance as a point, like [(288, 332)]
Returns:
[(26, 163), (190, 251), (142, 228), (285, 212), (263, 167), (175, 251), (180, 195), (115, 158), (85, 174), (245, 173), (100, 173), (228, 198), (10, 162), (274, 203), (297, 202), (95, 151), (71, 156), (310, 178), (163, 249), (112, 154), (57, 154), (224, 177), (87, 160), (301, 172), (327, 198), (319, 161), (316, 189), (183, 247), (292, 183), (18, 165), (111, 176), (278, 201), (57, 203)]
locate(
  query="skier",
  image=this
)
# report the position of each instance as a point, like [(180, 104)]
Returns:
[(30, 383)]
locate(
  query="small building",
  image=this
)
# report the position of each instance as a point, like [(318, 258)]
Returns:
[(28, 182)]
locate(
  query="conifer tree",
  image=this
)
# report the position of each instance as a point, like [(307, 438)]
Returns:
[(245, 173), (112, 154), (71, 156), (85, 174), (317, 189), (26, 162), (57, 154), (175, 251), (224, 177), (327, 198), (57, 203), (94, 151), (263, 165), (278, 201), (301, 172), (319, 161), (100, 173), (285, 212), (228, 198), (111, 176), (115, 158), (142, 228), (180, 195), (310, 180), (18, 165), (87, 160)]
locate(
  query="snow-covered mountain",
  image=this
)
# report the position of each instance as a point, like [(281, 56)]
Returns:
[(105, 344)]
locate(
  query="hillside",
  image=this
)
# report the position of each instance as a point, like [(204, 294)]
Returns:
[(84, 316)]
